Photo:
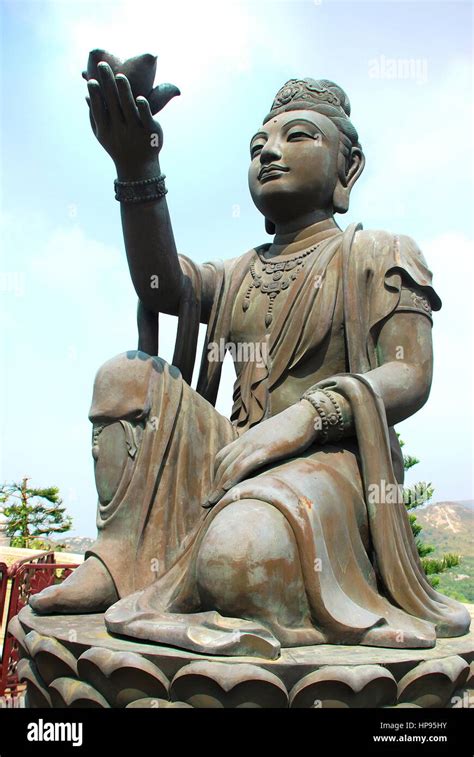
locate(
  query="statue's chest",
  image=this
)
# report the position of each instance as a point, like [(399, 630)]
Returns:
[(257, 308), (269, 297)]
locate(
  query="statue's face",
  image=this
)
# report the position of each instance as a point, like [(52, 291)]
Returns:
[(294, 161)]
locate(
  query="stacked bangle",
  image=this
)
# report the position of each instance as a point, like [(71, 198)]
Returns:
[(141, 190), (330, 414), (339, 420)]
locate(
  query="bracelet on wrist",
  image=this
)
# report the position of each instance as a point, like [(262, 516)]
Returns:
[(323, 425), (331, 421), (142, 190), (339, 423)]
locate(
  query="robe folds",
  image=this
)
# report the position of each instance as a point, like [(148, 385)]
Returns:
[(358, 558)]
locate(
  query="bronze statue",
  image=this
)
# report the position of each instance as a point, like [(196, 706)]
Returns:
[(274, 528)]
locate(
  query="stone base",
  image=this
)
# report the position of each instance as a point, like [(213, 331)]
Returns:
[(72, 661)]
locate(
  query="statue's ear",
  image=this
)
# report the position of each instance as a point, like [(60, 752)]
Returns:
[(269, 227), (346, 180)]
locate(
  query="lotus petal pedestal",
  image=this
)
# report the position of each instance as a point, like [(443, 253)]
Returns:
[(72, 661)]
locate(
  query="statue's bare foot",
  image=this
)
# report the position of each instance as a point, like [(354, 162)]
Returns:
[(88, 589), (414, 637)]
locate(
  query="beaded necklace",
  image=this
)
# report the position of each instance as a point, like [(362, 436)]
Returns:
[(271, 280)]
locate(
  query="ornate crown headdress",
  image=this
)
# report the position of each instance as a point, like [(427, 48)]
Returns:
[(311, 94)]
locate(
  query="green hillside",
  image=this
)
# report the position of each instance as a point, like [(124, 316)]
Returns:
[(448, 526)]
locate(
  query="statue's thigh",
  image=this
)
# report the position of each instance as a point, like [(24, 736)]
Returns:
[(328, 482)]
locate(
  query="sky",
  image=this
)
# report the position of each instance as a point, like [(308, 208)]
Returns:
[(66, 300)]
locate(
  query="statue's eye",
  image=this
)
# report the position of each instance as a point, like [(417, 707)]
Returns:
[(296, 135), (255, 150)]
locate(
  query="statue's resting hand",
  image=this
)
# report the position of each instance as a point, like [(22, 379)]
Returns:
[(282, 436), (124, 126)]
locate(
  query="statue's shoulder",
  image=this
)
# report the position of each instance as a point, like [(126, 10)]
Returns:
[(382, 246), (387, 254), (373, 238), (380, 239)]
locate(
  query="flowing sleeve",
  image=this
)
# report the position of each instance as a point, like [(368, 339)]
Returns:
[(200, 284), (412, 277), (401, 278), (386, 272), (208, 295), (203, 281)]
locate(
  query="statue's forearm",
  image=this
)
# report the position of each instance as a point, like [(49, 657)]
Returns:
[(403, 376), (151, 249), (403, 388)]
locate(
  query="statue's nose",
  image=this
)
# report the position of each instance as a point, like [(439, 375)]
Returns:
[(270, 152)]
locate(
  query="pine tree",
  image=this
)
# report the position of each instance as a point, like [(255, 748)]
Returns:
[(29, 518), (415, 496)]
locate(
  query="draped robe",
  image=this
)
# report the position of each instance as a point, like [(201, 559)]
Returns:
[(369, 574)]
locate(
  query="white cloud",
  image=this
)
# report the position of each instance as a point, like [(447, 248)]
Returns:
[(419, 153), (71, 261), (192, 39)]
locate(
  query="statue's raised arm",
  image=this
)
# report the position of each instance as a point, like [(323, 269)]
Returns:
[(122, 102)]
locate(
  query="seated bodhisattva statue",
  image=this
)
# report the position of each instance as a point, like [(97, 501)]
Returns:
[(284, 526)]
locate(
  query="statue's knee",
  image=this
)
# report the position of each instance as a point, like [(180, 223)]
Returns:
[(122, 387), (248, 548), (248, 528)]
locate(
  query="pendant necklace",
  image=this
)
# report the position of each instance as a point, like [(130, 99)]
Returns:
[(272, 279)]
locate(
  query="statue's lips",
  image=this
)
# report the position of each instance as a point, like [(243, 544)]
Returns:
[(271, 173)]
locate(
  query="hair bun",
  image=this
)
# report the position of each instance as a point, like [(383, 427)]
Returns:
[(339, 93)]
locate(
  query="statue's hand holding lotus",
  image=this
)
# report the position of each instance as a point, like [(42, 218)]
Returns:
[(122, 101)]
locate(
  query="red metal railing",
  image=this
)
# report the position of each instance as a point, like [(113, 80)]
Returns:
[(28, 576), (3, 587)]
